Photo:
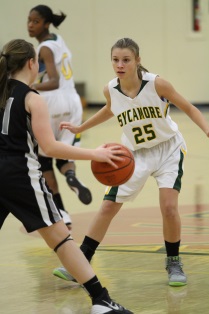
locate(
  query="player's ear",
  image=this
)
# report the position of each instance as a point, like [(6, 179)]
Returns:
[(138, 60), (30, 63), (46, 25)]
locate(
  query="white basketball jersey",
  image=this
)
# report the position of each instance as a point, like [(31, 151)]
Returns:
[(144, 119), (64, 103), (63, 60)]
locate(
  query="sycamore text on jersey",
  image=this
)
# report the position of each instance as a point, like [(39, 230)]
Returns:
[(138, 114)]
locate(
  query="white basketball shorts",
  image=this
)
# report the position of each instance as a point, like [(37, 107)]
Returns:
[(164, 162)]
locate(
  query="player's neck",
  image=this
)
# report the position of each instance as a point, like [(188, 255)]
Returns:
[(44, 36), (131, 87)]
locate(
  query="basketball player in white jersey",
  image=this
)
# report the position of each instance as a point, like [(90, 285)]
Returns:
[(140, 102), (56, 84)]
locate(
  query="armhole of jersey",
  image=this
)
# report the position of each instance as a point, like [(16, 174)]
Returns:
[(161, 98), (25, 94)]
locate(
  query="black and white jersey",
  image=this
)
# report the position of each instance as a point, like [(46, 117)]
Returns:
[(23, 191), (16, 134)]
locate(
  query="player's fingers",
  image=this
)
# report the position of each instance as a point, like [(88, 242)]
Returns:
[(116, 148), (112, 148), (111, 162), (62, 125), (65, 124), (117, 151), (115, 157)]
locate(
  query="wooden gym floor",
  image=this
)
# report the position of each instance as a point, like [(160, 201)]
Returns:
[(130, 261)]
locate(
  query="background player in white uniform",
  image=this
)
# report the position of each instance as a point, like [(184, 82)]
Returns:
[(140, 102), (56, 84), (25, 124)]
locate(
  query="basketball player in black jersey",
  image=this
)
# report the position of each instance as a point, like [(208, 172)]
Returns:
[(24, 124)]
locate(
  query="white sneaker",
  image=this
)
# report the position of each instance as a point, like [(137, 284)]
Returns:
[(104, 305), (176, 276)]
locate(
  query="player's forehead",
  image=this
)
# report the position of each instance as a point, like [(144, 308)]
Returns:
[(35, 15), (122, 53)]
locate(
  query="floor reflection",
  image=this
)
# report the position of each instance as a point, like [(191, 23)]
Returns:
[(175, 298)]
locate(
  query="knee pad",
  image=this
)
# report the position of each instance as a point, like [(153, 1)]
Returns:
[(69, 237), (61, 162), (46, 163)]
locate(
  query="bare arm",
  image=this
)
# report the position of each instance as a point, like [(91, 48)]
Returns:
[(165, 89), (46, 140), (47, 57), (101, 116)]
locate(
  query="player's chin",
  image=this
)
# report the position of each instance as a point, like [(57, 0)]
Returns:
[(31, 34)]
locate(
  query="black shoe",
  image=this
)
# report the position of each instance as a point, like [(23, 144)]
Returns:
[(104, 305), (82, 192)]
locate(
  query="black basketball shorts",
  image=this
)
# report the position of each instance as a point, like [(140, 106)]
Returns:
[(24, 194)]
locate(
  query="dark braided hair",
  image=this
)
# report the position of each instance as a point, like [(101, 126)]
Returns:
[(48, 15), (132, 45)]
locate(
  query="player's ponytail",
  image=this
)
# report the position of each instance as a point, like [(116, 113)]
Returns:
[(3, 80), (141, 69), (58, 19)]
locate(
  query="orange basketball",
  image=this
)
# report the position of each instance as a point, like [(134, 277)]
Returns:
[(108, 175)]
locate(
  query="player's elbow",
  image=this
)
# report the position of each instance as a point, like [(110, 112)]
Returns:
[(53, 83), (48, 150)]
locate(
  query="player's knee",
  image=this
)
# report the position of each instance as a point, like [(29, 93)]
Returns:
[(69, 238), (169, 211), (109, 209), (60, 163)]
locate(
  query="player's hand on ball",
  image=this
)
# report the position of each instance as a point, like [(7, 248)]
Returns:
[(104, 153), (116, 170), (69, 126)]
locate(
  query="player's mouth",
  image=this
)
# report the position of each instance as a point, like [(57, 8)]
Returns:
[(120, 74)]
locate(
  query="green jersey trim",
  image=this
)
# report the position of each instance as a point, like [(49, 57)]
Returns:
[(141, 87)]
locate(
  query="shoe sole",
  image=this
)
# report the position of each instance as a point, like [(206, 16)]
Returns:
[(177, 284), (83, 193), (61, 276), (97, 309)]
